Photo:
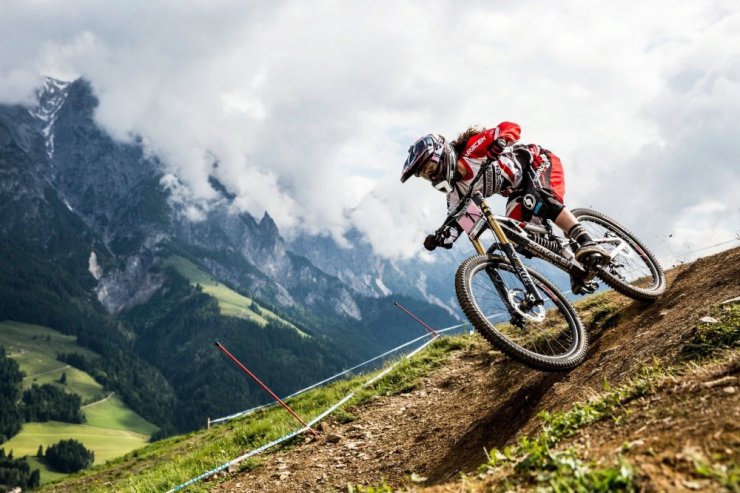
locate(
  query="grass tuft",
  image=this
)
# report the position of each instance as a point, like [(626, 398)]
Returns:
[(535, 463), (708, 339)]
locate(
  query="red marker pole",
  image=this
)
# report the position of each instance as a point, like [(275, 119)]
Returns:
[(426, 327), (267, 389)]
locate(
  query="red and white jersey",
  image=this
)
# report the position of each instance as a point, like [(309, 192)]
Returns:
[(503, 177)]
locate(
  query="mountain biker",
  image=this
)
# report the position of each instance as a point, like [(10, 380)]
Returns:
[(531, 177)]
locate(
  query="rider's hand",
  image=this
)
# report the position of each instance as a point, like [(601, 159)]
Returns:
[(496, 148), (430, 242)]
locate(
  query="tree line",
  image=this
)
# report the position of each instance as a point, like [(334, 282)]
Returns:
[(46, 402), (17, 472), (11, 377), (40, 403)]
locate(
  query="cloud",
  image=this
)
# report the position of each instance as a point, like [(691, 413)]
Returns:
[(680, 191), (309, 109)]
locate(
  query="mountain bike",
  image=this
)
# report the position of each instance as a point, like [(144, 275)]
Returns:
[(517, 309)]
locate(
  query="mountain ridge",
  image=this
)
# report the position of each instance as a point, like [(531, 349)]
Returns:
[(88, 225)]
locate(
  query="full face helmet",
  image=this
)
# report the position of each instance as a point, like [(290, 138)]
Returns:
[(431, 158)]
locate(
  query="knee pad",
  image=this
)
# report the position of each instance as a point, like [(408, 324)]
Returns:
[(551, 208)]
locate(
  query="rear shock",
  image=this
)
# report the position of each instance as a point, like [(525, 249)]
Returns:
[(551, 245)]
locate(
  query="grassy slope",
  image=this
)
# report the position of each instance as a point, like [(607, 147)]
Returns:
[(167, 463), (231, 303), (173, 461), (106, 443), (112, 429), (35, 349), (111, 413)]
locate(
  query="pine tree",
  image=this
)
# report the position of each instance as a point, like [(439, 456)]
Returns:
[(69, 456)]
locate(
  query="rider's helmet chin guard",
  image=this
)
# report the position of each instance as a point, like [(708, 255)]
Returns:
[(443, 186), (431, 148)]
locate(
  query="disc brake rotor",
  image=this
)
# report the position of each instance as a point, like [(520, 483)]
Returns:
[(517, 298)]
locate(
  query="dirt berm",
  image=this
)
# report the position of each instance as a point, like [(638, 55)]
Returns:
[(480, 400)]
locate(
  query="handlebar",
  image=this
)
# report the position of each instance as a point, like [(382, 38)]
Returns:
[(464, 201)]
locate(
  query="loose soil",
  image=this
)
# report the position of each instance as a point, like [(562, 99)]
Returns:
[(479, 400)]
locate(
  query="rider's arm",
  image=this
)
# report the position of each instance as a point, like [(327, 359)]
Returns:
[(492, 142), (453, 199), (506, 130), (445, 236)]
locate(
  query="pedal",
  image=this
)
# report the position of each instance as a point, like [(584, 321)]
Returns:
[(595, 260), (583, 287), (591, 287)]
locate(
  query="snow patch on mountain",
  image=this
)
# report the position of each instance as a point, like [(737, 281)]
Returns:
[(51, 98), (383, 288), (94, 267)]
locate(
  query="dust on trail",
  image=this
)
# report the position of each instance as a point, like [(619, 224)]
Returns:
[(481, 400)]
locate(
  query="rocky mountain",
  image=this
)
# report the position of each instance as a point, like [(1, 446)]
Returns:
[(88, 233), (371, 275)]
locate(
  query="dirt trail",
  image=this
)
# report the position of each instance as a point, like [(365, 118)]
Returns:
[(481, 400)]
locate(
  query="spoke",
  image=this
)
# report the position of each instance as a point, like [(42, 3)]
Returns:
[(632, 268), (549, 337)]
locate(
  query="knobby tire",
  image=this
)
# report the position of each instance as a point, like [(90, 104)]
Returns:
[(571, 357), (647, 259)]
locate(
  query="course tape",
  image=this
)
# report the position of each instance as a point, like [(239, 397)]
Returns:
[(334, 377), (318, 418), (263, 447)]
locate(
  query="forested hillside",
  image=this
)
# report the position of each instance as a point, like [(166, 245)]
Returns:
[(96, 246)]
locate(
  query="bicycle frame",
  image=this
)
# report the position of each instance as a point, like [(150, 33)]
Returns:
[(533, 297), (507, 231)]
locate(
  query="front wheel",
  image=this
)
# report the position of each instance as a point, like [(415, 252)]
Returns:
[(633, 269), (548, 337)]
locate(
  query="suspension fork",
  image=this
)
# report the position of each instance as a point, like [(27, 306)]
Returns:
[(533, 296)]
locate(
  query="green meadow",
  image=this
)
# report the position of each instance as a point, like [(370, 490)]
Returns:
[(106, 443), (231, 303), (112, 414), (111, 429)]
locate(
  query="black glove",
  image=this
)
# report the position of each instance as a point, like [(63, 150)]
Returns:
[(496, 148), (540, 202), (433, 241), (430, 242)]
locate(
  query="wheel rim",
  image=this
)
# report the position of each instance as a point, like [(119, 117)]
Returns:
[(543, 332), (631, 265)]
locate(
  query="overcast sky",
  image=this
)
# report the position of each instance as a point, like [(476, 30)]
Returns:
[(309, 107)]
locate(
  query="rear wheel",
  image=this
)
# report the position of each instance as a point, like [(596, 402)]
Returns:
[(633, 271), (547, 337)]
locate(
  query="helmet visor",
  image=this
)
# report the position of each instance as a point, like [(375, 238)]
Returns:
[(419, 153)]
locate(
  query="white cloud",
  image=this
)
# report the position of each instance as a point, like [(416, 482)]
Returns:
[(309, 109)]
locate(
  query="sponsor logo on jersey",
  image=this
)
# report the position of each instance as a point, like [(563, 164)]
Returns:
[(475, 145)]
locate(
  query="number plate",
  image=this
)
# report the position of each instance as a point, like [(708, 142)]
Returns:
[(472, 220)]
